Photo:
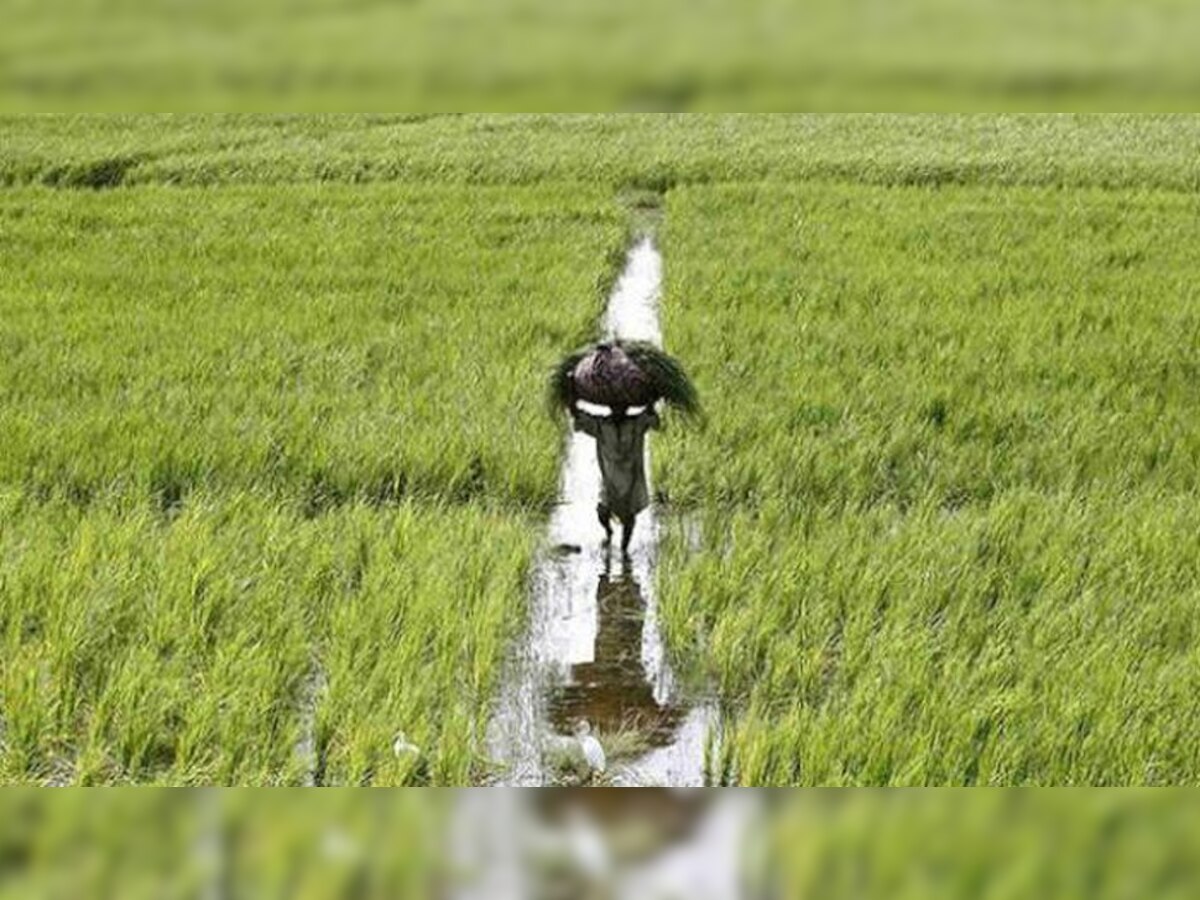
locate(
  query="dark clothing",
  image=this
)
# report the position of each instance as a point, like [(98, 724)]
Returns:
[(621, 449)]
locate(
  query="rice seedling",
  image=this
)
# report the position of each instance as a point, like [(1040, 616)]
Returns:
[(138, 651), (315, 341), (260, 446), (947, 495)]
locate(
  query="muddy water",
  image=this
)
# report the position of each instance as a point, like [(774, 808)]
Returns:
[(593, 649)]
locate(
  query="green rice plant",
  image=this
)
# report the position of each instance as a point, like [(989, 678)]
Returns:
[(138, 650), (393, 661), (261, 444), (667, 376), (946, 496), (322, 342), (273, 468), (560, 392), (625, 153)]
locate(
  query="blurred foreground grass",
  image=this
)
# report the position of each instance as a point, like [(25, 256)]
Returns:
[(934, 845), (214, 843), (1001, 845)]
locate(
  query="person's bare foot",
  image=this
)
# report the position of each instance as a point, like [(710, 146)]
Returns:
[(605, 522)]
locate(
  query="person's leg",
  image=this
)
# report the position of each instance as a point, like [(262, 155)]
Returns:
[(605, 518), (627, 532)]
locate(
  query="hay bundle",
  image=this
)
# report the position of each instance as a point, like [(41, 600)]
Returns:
[(608, 375), (621, 374)]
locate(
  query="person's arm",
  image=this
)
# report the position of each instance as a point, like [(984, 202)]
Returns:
[(585, 422)]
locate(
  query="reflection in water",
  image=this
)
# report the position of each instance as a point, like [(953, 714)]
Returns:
[(613, 690)]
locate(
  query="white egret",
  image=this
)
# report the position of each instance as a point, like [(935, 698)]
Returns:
[(593, 753)]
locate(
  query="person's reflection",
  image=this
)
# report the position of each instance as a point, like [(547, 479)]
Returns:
[(613, 692)]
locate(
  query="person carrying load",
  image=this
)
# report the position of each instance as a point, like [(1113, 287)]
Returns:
[(628, 378)]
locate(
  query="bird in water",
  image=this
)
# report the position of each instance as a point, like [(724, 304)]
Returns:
[(589, 747)]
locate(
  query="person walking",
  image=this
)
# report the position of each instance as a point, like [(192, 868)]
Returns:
[(621, 451)]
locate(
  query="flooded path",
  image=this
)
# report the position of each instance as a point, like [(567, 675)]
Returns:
[(593, 650)]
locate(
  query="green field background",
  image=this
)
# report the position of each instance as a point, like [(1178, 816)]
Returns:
[(948, 489)]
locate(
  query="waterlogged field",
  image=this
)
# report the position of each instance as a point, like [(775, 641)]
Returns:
[(274, 462), (948, 489), (275, 459)]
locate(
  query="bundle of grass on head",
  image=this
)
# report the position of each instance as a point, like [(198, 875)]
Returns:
[(620, 375)]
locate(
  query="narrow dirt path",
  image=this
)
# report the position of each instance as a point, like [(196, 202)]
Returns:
[(593, 649)]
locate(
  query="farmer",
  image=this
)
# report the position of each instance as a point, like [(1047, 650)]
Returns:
[(621, 449)]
